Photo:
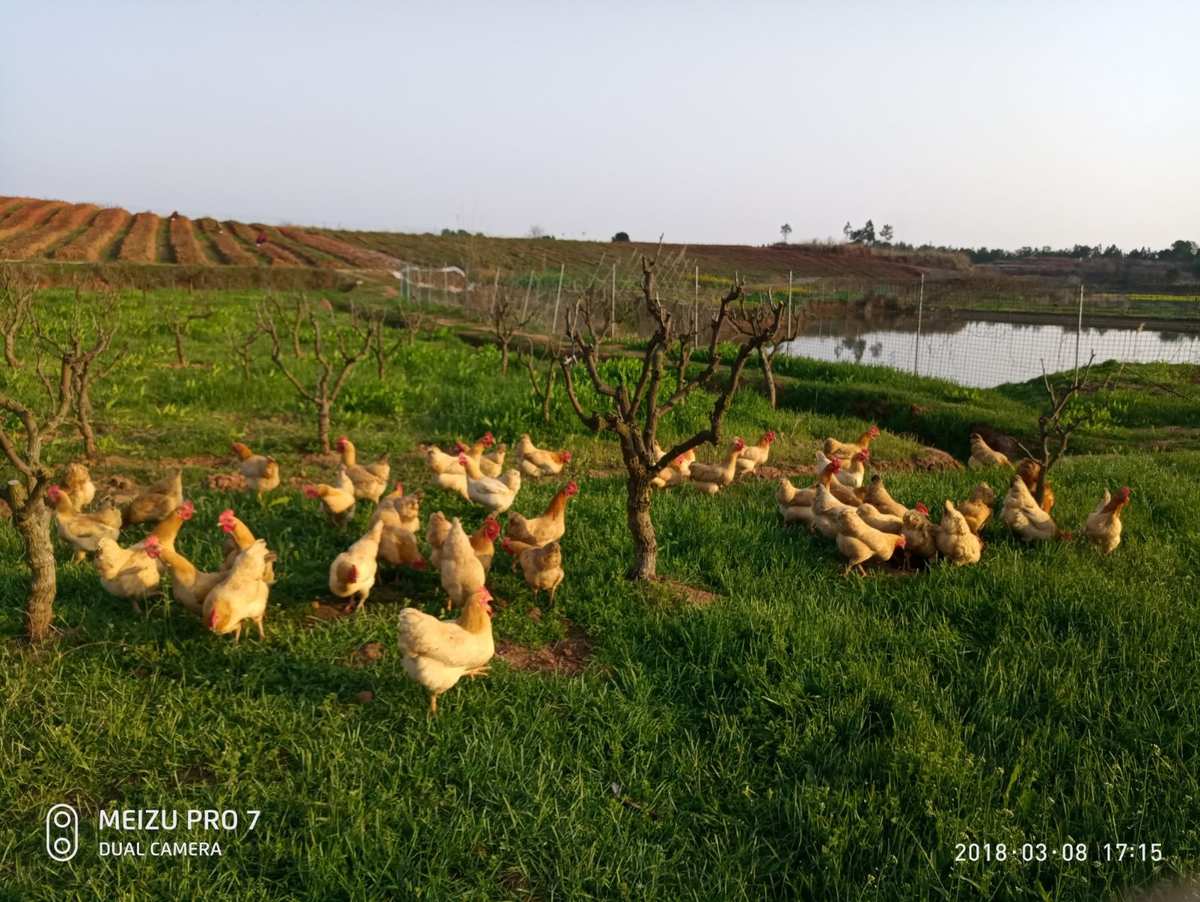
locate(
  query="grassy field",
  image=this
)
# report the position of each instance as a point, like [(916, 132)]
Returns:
[(753, 726)]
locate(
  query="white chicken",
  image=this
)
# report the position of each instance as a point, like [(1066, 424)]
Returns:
[(352, 573), (495, 495), (132, 572), (461, 570), (1024, 516), (241, 594)]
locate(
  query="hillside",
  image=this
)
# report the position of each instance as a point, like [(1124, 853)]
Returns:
[(56, 231)]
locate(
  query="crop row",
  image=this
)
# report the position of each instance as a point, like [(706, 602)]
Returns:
[(183, 241), (278, 256), (141, 243), (353, 255), (90, 244), (62, 223), (227, 246), (29, 217)]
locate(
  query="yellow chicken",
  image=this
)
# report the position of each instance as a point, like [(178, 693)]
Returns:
[(833, 448), (877, 519), (955, 540), (1103, 527), (1021, 513), (859, 543), (550, 526), (853, 471), (82, 532), (189, 586), (541, 565), (241, 594), (535, 462), (920, 535), (877, 495), (437, 654), (983, 456), (77, 483), (157, 502), (132, 572), (754, 456), (261, 473), (678, 473), (352, 573), (978, 508), (337, 500), (370, 481), (461, 570), (711, 478)]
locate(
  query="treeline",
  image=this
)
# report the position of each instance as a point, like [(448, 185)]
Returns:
[(1180, 251)]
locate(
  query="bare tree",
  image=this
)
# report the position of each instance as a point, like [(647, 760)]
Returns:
[(36, 427), (352, 343), (90, 330), (543, 389), (633, 412), (243, 346), (17, 289), (1059, 422), (506, 321), (784, 333), (179, 327)]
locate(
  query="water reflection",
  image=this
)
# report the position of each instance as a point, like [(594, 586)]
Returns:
[(985, 354)]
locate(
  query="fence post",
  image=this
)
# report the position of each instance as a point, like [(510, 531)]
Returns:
[(528, 289), (920, 313), (789, 325), (612, 323), (696, 308), (1078, 330), (562, 268)]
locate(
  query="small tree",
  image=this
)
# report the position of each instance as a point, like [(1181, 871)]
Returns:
[(352, 343), (620, 237), (886, 234), (506, 322), (17, 288), (90, 330), (1059, 422), (634, 412), (784, 332), (785, 230), (179, 328), (542, 388)]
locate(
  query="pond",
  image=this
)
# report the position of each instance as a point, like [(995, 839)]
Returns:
[(983, 354)]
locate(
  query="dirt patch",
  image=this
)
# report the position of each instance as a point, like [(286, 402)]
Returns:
[(366, 654), (926, 460), (566, 657), (227, 482), (997, 440), (605, 473), (195, 774)]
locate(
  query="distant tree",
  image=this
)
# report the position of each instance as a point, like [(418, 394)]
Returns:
[(848, 230), (785, 230), (536, 231), (1112, 251), (886, 234), (1181, 250), (865, 235), (620, 236)]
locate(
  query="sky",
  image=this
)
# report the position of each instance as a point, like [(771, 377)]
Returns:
[(963, 123)]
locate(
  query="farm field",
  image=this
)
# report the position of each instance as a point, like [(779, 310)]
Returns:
[(753, 725), (33, 229)]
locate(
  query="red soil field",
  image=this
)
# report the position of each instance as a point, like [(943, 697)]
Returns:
[(183, 242), (104, 229), (355, 256), (279, 256), (66, 220), (9, 204), (307, 257), (30, 216), (230, 251), (141, 244)]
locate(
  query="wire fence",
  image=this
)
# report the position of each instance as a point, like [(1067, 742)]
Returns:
[(976, 336)]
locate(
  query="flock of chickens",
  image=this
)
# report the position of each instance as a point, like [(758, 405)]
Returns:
[(865, 521), (867, 524)]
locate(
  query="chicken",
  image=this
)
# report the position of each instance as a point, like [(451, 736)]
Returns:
[(168, 528), (920, 535), (77, 483), (128, 572), (337, 500), (535, 462), (955, 540), (754, 456), (496, 495), (859, 543), (435, 536), (352, 573), (240, 595), (462, 572), (678, 473), (437, 653), (853, 470), (483, 541), (157, 502), (877, 495), (369, 480), (540, 564), (441, 462), (711, 478), (1029, 470), (82, 532), (826, 508), (833, 448), (453, 482), (877, 519), (401, 518), (491, 463), (1023, 516), (239, 538), (189, 586), (407, 507), (983, 456), (796, 505), (1103, 527), (550, 526), (787, 495), (978, 508), (261, 473)]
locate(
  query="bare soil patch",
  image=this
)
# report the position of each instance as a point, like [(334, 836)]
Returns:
[(566, 657)]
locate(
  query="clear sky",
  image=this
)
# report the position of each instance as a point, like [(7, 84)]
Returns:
[(963, 122)]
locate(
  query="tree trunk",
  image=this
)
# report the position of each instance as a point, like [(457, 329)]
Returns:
[(503, 358), (641, 528), (180, 360), (549, 395), (769, 375), (32, 519), (10, 351), (323, 426), (83, 416)]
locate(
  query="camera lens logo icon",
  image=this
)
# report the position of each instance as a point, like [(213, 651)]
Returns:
[(62, 832)]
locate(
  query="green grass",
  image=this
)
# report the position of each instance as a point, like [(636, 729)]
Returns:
[(803, 736)]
